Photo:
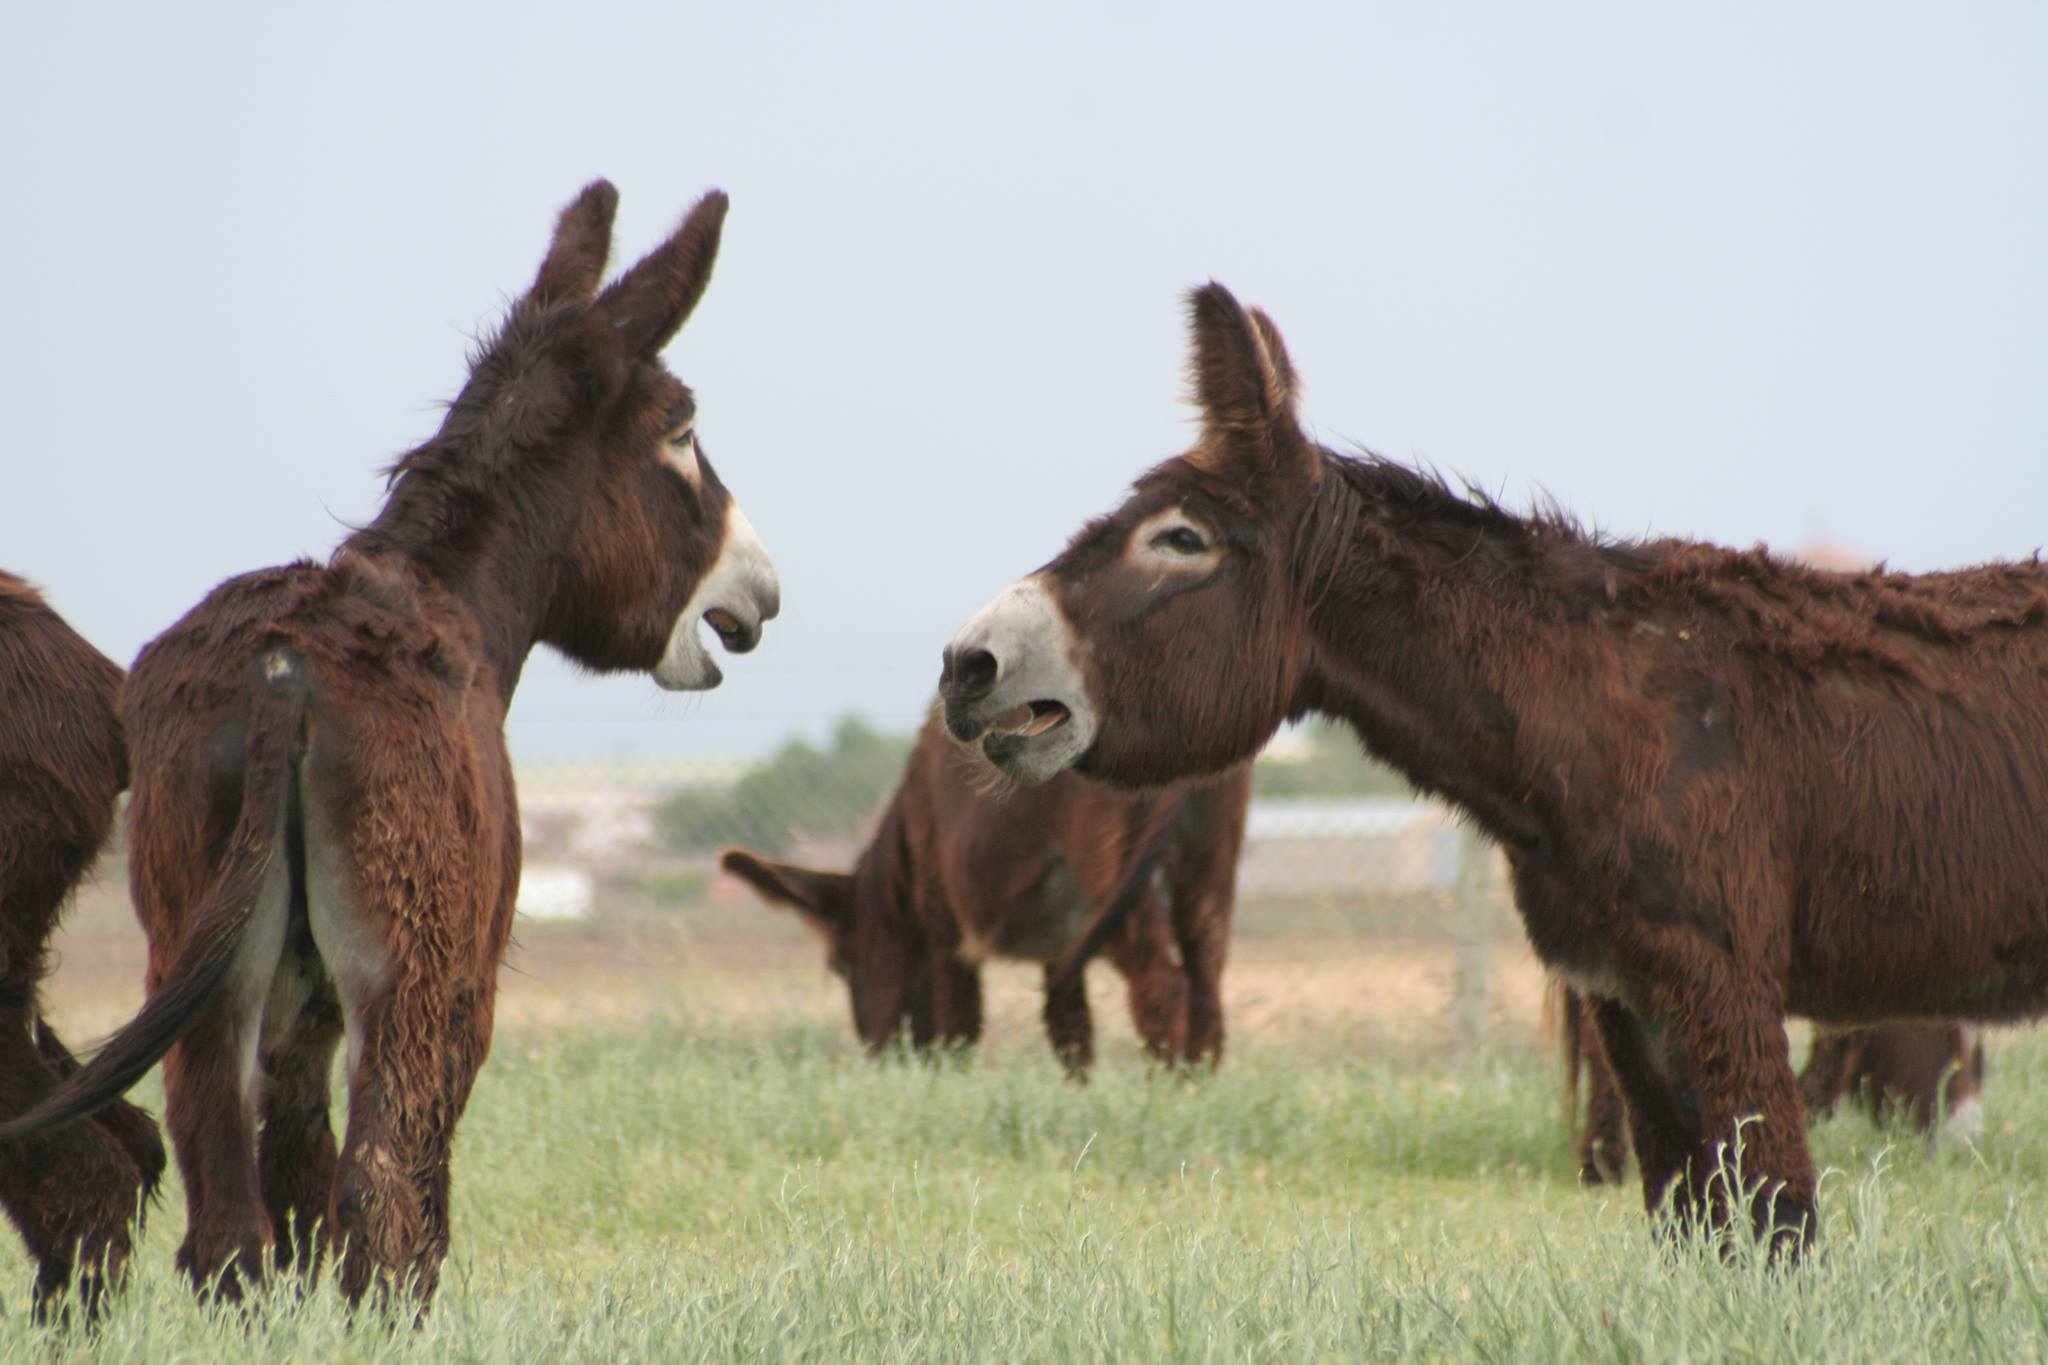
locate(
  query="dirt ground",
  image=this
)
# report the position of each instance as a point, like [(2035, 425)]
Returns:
[(1291, 977)]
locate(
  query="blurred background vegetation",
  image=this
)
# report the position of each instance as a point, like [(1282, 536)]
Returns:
[(842, 784)]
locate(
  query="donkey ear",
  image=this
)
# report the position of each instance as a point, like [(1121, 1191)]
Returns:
[(583, 238), (1245, 383), (1287, 384), (649, 303), (823, 898)]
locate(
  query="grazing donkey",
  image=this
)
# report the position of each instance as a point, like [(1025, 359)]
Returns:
[(324, 839), (1930, 1074), (1730, 787), (62, 767), (957, 873)]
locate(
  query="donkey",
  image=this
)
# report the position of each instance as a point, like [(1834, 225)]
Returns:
[(62, 768), (1730, 787), (324, 838), (1932, 1075), (958, 872)]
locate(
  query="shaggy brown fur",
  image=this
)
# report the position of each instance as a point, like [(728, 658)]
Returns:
[(1730, 787), (324, 837), (1919, 1072), (62, 767), (960, 870)]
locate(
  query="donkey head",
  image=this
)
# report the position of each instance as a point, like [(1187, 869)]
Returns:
[(1166, 641), (657, 543), (883, 970)]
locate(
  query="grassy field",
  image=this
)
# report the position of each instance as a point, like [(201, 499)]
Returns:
[(685, 1157)]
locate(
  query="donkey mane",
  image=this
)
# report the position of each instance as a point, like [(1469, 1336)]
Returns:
[(1417, 510), (1812, 617), (519, 394)]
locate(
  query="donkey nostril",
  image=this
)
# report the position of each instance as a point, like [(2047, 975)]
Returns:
[(971, 672)]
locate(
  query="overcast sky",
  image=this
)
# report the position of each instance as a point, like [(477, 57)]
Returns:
[(1767, 272)]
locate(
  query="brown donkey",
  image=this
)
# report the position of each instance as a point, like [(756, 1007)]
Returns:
[(1930, 1074), (62, 767), (324, 838), (1730, 788), (959, 872)]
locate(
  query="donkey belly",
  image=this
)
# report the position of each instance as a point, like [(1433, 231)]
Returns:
[(1926, 976), (1867, 958), (1048, 917)]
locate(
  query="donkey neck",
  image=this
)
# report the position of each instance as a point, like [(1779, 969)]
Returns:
[(1429, 619), (492, 549)]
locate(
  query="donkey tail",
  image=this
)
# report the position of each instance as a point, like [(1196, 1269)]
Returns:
[(1129, 893), (1564, 1009), (275, 741)]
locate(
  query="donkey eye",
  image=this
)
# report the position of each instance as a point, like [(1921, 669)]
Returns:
[(1182, 540), (683, 437)]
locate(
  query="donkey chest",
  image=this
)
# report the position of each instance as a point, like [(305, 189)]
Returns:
[(1570, 923), (1034, 923)]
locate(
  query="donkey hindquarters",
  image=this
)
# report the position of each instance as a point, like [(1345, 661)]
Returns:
[(360, 923), (72, 1192)]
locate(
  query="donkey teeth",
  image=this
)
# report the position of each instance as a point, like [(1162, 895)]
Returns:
[(1012, 720), (1045, 720), (723, 621), (1030, 720)]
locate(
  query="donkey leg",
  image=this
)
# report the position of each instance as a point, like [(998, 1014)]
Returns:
[(297, 1154), (73, 1193), (1603, 1142), (1740, 1094), (1149, 961), (956, 1000), (1661, 1112), (1069, 1025), (129, 1126), (422, 1044), (212, 1077), (209, 1108), (1830, 1068), (1749, 1102), (1202, 953), (1201, 914)]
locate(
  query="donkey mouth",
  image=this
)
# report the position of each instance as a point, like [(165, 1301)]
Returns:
[(1029, 742), (731, 631), (1013, 730), (1029, 721)]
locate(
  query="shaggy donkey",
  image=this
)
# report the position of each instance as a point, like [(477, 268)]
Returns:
[(957, 873), (62, 766), (1730, 787), (324, 837)]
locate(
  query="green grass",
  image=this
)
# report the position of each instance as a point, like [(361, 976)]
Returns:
[(683, 1190)]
